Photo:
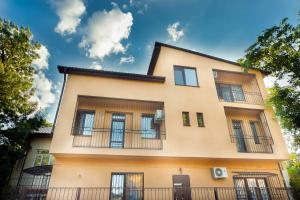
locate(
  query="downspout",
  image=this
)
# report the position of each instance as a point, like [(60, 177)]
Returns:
[(59, 102)]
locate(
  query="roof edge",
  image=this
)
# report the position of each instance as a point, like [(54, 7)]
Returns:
[(110, 74), (158, 46)]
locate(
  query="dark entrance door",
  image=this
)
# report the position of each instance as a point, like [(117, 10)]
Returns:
[(181, 187), (238, 131)]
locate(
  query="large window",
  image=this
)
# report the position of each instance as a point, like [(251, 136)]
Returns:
[(230, 93), (127, 186), (251, 188), (84, 122), (148, 128), (254, 126), (42, 157), (185, 76)]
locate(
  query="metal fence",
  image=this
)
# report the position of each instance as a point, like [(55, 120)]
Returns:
[(193, 193)]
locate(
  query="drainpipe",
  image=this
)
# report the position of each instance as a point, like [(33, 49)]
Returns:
[(59, 102)]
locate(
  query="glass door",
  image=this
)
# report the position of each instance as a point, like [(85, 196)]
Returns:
[(238, 132), (117, 130)]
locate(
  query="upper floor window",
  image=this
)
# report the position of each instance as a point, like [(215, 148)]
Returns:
[(185, 76), (186, 118), (200, 120), (84, 122), (42, 157), (230, 93), (148, 128)]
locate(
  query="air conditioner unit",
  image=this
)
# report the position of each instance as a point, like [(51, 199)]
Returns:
[(159, 116), (215, 74), (219, 172)]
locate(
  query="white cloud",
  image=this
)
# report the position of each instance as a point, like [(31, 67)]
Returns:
[(69, 13), (129, 59), (96, 65), (270, 81), (42, 61), (105, 31), (175, 31), (43, 95)]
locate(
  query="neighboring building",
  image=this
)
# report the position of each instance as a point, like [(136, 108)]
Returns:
[(34, 170), (194, 127)]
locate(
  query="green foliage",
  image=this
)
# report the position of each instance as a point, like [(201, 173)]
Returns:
[(293, 167), (17, 51), (277, 52)]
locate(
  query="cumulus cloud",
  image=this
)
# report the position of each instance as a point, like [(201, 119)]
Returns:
[(129, 59), (175, 31), (105, 31), (42, 61), (96, 65), (43, 95), (69, 13)]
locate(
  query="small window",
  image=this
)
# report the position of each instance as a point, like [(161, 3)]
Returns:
[(186, 119), (148, 128), (200, 120), (185, 76), (42, 157), (84, 122)]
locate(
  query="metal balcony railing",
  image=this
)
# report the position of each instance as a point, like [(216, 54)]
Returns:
[(118, 138), (250, 144), (191, 193)]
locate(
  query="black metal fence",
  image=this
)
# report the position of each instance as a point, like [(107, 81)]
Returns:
[(194, 193), (250, 144)]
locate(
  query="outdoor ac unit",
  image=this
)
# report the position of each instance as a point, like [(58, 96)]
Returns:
[(159, 116), (215, 74), (219, 172)]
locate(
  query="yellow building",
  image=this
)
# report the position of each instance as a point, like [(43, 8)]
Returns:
[(194, 127)]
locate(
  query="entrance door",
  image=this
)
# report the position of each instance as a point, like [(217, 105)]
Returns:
[(238, 132), (181, 187), (117, 130)]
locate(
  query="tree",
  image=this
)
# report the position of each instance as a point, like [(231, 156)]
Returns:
[(17, 119), (277, 53)]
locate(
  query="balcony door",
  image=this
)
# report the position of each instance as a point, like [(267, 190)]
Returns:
[(117, 130), (238, 132)]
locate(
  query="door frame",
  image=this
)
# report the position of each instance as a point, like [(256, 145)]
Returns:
[(188, 195), (111, 128)]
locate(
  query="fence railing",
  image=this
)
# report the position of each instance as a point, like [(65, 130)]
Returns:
[(248, 98), (250, 144), (193, 193), (119, 138)]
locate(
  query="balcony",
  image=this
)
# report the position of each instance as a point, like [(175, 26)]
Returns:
[(237, 88), (118, 124), (249, 130)]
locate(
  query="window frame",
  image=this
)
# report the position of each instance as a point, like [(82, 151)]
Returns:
[(202, 115), (124, 183), (188, 118), (233, 98), (176, 67), (80, 132), (38, 153), (255, 135), (156, 128)]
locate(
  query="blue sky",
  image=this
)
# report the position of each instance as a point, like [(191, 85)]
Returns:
[(119, 35)]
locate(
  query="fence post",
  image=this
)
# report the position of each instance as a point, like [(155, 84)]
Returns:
[(78, 193), (216, 194)]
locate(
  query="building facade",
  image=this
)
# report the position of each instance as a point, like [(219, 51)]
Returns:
[(194, 127)]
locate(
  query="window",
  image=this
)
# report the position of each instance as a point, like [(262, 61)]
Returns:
[(185, 76), (117, 130), (251, 188), (42, 157), (127, 186), (200, 119), (148, 128), (84, 122), (230, 93), (186, 119), (253, 126)]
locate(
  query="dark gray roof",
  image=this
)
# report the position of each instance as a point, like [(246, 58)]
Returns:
[(42, 132)]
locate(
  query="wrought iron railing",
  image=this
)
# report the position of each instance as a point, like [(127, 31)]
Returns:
[(193, 193), (250, 144), (119, 138), (248, 98)]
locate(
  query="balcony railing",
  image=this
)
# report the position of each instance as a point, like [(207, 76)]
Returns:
[(247, 98), (250, 144), (193, 193), (119, 138)]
